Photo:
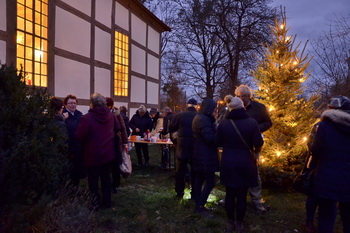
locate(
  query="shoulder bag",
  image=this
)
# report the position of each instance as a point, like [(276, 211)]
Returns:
[(240, 135)]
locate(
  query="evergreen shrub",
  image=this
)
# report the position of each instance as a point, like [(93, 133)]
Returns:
[(33, 158)]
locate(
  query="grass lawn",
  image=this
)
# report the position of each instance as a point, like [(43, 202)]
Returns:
[(146, 203)]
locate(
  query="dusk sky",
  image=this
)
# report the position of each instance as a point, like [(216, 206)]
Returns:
[(308, 18)]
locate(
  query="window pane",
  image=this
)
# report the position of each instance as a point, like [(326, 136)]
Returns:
[(20, 23), (44, 20), (29, 79), (20, 51), (29, 14), (29, 40), (43, 80), (37, 80), (29, 26), (28, 66), (20, 10), (29, 53), (37, 67), (29, 3)]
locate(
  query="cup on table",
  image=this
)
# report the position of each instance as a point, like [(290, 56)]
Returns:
[(138, 138)]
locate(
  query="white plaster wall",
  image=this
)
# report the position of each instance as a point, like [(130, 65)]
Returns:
[(152, 93), (81, 5), (138, 60), (104, 12), (71, 77), (132, 112), (138, 90), (121, 16), (153, 40), (138, 30), (103, 81), (3, 15), (72, 33), (119, 104), (152, 66), (102, 46), (2, 51), (83, 108)]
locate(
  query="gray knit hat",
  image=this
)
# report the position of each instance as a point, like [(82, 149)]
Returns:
[(235, 103)]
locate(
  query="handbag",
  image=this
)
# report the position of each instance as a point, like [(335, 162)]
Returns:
[(240, 135), (126, 166), (303, 182)]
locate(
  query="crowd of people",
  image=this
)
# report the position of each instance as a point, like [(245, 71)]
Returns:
[(97, 139)]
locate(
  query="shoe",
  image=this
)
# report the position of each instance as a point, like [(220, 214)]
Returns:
[(310, 226), (230, 226), (260, 208)]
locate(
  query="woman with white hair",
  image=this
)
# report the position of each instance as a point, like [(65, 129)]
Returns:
[(240, 137)]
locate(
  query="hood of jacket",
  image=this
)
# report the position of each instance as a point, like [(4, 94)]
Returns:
[(340, 119), (100, 114), (207, 107), (145, 115)]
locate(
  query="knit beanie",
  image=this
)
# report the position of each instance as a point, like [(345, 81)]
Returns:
[(235, 103), (142, 108)]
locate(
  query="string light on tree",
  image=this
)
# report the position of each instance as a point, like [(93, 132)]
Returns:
[(282, 71)]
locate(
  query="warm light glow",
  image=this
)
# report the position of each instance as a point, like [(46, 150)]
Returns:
[(38, 55), (121, 64), (267, 91), (288, 38), (278, 153), (301, 80), (271, 108), (32, 41), (304, 139), (262, 160), (295, 63), (282, 26)]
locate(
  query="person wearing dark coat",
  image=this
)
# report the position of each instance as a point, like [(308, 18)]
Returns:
[(182, 124), (168, 116), (123, 112), (140, 123), (78, 170), (258, 112), (97, 133), (331, 154), (123, 145), (238, 168), (204, 159)]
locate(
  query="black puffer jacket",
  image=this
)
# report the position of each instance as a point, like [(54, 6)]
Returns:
[(203, 129), (182, 123), (143, 123)]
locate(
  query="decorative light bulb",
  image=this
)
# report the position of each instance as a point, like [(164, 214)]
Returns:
[(282, 26), (278, 153)]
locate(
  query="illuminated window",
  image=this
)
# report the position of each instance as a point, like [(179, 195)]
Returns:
[(121, 64), (32, 30)]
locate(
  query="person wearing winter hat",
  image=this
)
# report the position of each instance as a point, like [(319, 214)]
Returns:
[(238, 170), (140, 123), (331, 157), (182, 124)]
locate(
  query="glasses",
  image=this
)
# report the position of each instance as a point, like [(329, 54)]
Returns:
[(72, 103)]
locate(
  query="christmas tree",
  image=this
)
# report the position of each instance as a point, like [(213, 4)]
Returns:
[(279, 76)]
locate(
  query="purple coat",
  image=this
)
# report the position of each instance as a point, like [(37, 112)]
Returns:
[(96, 134)]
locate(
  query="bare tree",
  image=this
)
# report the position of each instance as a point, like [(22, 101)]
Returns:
[(243, 27), (332, 57)]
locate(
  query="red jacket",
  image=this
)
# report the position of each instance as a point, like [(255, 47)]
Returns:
[(96, 133)]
